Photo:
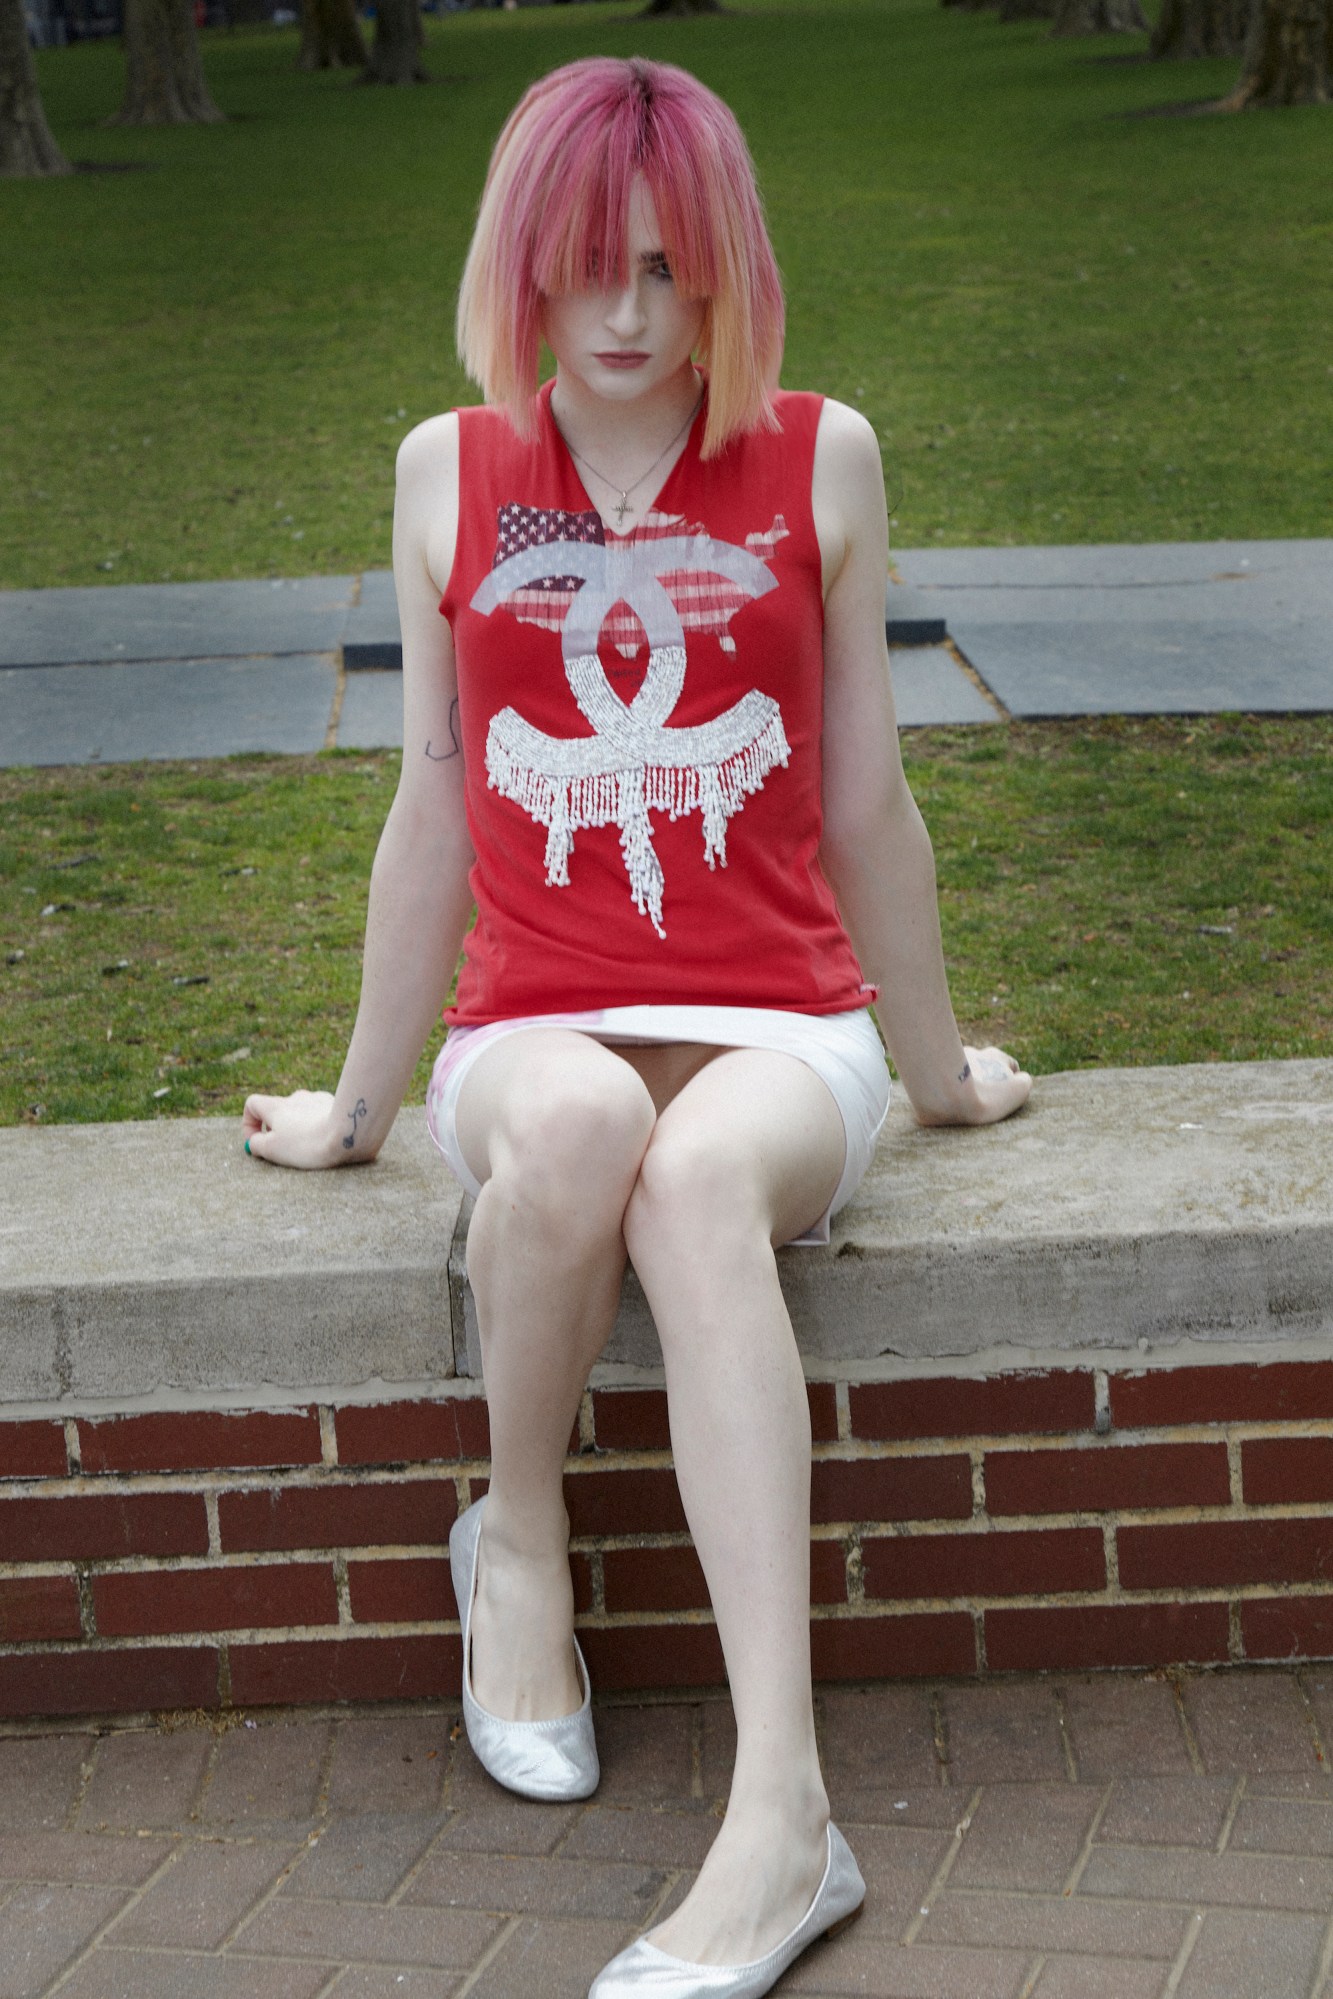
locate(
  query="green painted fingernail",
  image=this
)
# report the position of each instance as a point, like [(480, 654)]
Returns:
[(247, 1147)]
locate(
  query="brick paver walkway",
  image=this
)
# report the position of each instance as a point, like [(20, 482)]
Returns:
[(1122, 1837)]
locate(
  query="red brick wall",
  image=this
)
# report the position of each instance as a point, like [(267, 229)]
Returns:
[(1060, 1519)]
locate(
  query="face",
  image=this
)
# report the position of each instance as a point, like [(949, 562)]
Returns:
[(626, 342)]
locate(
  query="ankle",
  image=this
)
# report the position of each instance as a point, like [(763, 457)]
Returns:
[(794, 1800), (524, 1534)]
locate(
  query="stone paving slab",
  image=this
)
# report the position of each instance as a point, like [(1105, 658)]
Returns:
[(371, 717), (1116, 1871), (137, 621), (156, 709), (372, 636), (1157, 628), (930, 689), (213, 669), (1119, 667)]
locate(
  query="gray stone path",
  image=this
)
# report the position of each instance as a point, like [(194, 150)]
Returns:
[(124, 671), (1152, 629), (1115, 1837)]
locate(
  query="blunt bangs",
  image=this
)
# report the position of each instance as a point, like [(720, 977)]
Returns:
[(554, 218)]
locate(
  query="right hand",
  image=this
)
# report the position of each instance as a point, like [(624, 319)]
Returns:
[(292, 1131)]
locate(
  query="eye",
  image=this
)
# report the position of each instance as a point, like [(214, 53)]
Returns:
[(659, 268)]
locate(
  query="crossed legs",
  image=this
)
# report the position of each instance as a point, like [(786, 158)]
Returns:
[(698, 1163)]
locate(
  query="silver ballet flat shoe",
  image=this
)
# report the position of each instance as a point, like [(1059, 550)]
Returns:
[(550, 1760), (644, 1972)]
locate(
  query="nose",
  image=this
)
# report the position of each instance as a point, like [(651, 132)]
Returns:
[(624, 311)]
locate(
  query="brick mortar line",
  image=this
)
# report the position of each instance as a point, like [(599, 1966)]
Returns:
[(266, 1895), (850, 1449), (1035, 1969), (1235, 1632), (202, 1479), (488, 1957), (1223, 1839), (437, 1394), (1079, 1868), (1066, 1734), (216, 1559), (328, 1436), (394, 1898), (1312, 1722), (861, 1609), (1324, 1967), (90, 1944), (86, 1768), (935, 1885), (1183, 1955), (1175, 1681)]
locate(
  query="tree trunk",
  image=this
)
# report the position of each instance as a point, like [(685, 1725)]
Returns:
[(26, 145), (1288, 56), (1028, 10), (1097, 17), (164, 76), (682, 7), (395, 55), (330, 36), (1201, 28)]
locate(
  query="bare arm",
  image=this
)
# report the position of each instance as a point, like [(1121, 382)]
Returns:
[(875, 850), (419, 897)]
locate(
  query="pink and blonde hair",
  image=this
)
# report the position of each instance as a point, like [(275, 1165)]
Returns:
[(556, 207)]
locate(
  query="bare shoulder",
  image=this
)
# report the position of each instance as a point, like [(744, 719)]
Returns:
[(846, 443), (848, 492), (429, 452)]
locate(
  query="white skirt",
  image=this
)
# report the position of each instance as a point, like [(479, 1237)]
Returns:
[(843, 1049)]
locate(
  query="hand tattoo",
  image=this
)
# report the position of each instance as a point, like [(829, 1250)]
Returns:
[(444, 755), (355, 1115)]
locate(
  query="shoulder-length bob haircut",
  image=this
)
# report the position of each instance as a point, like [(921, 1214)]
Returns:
[(556, 209)]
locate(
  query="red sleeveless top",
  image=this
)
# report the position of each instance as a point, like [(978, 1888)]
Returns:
[(641, 720)]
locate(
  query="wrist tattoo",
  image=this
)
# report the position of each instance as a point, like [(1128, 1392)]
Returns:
[(356, 1117), (965, 1072)]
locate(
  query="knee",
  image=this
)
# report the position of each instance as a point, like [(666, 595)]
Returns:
[(574, 1144), (693, 1195)]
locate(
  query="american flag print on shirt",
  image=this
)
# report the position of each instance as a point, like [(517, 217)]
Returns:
[(703, 603)]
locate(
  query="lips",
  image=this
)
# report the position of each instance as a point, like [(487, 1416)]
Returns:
[(622, 360)]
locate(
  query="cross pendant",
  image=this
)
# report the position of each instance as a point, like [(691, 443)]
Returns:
[(621, 511)]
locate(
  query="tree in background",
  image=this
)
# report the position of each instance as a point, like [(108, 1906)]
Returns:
[(26, 145), (1028, 10), (1201, 28), (1288, 56), (1097, 17), (688, 7), (164, 75), (330, 36), (395, 55)]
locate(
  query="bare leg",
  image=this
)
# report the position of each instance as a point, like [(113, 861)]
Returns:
[(747, 1155), (555, 1127)]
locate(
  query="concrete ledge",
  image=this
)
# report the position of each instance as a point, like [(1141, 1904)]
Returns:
[(142, 1259), (1125, 1211)]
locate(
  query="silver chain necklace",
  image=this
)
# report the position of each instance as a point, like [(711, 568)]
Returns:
[(623, 508)]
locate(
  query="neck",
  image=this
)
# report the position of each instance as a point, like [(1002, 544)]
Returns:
[(624, 433)]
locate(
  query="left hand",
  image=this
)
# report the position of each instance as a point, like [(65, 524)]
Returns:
[(993, 1087)]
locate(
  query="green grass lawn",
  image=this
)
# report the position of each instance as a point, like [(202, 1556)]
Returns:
[(1111, 892), (1068, 322)]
